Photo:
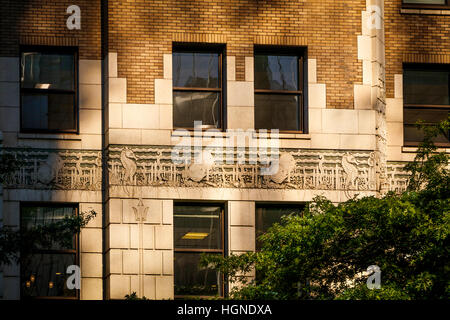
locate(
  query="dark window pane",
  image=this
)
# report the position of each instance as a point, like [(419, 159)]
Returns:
[(428, 115), (44, 275), (413, 134), (429, 87), (191, 280), (48, 71), (200, 70), (269, 215), (197, 227), (196, 106), (48, 111), (277, 111), (276, 72), (32, 217)]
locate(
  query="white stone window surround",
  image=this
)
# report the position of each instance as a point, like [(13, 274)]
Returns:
[(89, 109), (240, 94), (327, 128)]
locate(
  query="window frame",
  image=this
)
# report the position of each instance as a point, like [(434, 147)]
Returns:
[(425, 67), (197, 251), (445, 6), (300, 52), (75, 251), (182, 47), (75, 91)]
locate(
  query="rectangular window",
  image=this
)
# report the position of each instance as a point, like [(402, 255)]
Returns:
[(197, 86), (279, 89), (198, 228), (49, 84), (426, 92), (426, 4), (269, 214), (43, 272)]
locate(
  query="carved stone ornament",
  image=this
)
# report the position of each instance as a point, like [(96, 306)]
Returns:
[(55, 169), (296, 169)]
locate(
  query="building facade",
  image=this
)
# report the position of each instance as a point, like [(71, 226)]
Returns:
[(99, 104)]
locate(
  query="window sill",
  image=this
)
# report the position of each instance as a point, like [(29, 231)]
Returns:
[(49, 136), (256, 135), (438, 12), (411, 149)]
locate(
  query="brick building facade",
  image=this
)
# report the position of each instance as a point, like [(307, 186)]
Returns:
[(132, 68)]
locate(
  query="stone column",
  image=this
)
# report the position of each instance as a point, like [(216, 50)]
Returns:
[(371, 50)]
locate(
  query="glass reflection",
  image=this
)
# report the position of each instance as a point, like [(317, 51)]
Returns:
[(275, 111), (196, 70), (47, 71), (276, 72), (195, 106)]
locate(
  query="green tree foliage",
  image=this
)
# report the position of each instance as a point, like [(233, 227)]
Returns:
[(16, 245), (324, 253)]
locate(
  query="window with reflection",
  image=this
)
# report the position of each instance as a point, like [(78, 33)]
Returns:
[(426, 95), (198, 228), (48, 89), (279, 89), (197, 86), (43, 272), (269, 214)]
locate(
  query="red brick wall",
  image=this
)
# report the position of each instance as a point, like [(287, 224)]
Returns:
[(141, 31), (413, 38), (44, 22)]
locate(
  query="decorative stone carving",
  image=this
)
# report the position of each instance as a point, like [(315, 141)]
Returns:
[(140, 211), (397, 177), (128, 160), (198, 171), (56, 169), (286, 164), (298, 169)]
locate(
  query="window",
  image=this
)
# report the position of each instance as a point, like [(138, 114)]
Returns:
[(427, 4), (43, 272), (279, 89), (268, 214), (426, 92), (48, 89), (197, 86), (198, 228)]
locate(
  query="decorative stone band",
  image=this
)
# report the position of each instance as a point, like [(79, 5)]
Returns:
[(297, 169), (55, 169), (397, 176)]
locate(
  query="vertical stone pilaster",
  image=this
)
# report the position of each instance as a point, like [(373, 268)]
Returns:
[(139, 248), (372, 93), (241, 230)]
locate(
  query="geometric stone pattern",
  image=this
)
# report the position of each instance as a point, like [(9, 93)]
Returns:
[(298, 169), (55, 169)]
